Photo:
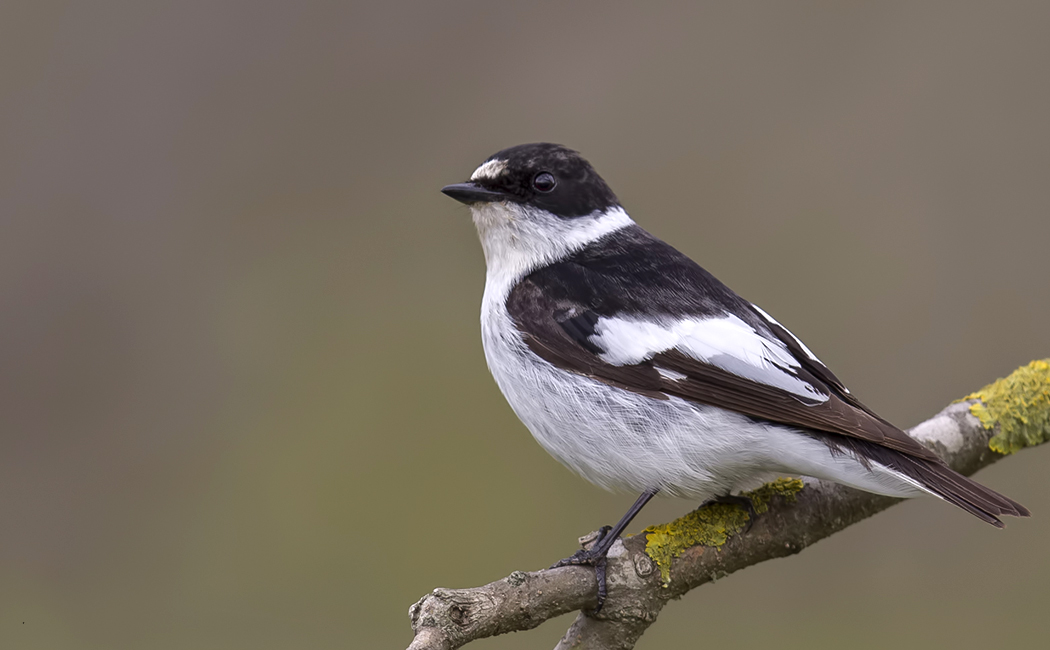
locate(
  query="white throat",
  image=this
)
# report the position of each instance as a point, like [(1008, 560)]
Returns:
[(518, 239)]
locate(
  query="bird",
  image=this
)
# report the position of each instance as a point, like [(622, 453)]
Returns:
[(639, 370)]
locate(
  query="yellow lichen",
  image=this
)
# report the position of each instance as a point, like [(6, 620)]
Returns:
[(788, 488), (710, 525), (1019, 405)]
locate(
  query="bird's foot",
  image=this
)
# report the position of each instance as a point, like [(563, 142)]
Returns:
[(595, 556)]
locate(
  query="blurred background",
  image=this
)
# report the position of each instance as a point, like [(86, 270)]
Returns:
[(243, 402)]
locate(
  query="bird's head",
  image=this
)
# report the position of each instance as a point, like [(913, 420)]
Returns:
[(535, 203)]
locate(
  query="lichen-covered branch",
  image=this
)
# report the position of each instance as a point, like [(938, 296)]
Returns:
[(664, 562)]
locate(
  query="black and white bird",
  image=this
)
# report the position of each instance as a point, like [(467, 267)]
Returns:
[(639, 370)]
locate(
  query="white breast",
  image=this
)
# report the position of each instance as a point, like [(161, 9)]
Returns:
[(618, 439)]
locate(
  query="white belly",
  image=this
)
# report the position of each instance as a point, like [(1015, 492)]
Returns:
[(622, 440)]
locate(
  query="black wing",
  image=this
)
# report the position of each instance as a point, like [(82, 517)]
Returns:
[(635, 313), (566, 312)]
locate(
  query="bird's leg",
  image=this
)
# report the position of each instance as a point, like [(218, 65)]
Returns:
[(596, 555), (738, 500)]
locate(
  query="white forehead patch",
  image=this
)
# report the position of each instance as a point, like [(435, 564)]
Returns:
[(489, 170)]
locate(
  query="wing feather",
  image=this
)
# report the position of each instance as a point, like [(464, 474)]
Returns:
[(636, 314), (569, 335)]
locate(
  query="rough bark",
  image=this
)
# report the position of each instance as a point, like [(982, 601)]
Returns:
[(447, 619)]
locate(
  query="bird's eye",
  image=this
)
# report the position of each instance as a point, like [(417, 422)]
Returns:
[(544, 182)]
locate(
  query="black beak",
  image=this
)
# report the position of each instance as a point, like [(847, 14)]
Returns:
[(472, 193)]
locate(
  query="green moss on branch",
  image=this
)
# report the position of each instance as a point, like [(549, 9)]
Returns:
[(710, 525), (1019, 405)]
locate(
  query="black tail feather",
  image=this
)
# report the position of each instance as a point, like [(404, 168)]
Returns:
[(964, 492), (939, 479)]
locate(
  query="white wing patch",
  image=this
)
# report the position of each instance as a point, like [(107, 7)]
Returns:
[(489, 170), (797, 340), (809, 353), (726, 342), (627, 342), (670, 375)]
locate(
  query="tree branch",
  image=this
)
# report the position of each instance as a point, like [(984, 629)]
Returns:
[(645, 571)]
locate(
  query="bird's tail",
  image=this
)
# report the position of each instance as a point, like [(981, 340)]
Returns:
[(942, 481), (938, 479)]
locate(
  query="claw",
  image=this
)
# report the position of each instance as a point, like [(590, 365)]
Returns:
[(595, 555), (603, 591), (587, 556), (599, 561)]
